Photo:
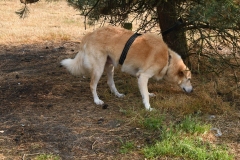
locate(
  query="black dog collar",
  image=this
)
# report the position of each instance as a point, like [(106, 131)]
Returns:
[(127, 46)]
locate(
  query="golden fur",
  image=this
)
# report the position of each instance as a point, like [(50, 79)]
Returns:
[(147, 57)]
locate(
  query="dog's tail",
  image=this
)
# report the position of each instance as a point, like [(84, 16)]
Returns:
[(74, 66)]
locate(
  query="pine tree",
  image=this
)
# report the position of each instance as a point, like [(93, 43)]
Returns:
[(199, 30)]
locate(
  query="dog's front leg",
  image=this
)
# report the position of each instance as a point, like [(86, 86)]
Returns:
[(142, 84)]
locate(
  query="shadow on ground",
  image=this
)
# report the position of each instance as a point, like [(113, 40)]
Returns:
[(46, 110)]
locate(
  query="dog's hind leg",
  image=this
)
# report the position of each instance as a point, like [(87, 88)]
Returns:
[(110, 72), (95, 76), (142, 84)]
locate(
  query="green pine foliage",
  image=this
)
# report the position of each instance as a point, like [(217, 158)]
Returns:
[(212, 27)]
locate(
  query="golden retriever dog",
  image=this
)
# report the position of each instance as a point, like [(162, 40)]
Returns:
[(147, 57)]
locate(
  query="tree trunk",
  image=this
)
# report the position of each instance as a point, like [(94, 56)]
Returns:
[(176, 39)]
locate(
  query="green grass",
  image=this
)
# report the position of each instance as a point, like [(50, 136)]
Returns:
[(186, 148), (153, 123), (191, 125), (126, 147), (47, 157), (183, 140)]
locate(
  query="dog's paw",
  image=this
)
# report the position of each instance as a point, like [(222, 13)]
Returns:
[(119, 95), (150, 109), (98, 102), (152, 95)]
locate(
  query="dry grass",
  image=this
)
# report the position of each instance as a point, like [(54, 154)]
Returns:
[(56, 22)]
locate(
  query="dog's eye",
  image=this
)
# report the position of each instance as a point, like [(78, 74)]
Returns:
[(180, 74)]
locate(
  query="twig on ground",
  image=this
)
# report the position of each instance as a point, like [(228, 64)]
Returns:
[(93, 144), (29, 155)]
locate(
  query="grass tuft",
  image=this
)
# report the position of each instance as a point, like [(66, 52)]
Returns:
[(153, 123), (47, 157), (126, 147), (193, 126), (184, 140)]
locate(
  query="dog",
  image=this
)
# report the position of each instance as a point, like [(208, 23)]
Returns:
[(147, 57)]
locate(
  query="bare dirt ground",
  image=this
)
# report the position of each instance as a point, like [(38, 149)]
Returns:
[(46, 110)]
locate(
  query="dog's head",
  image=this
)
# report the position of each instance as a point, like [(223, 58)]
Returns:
[(178, 73), (184, 78)]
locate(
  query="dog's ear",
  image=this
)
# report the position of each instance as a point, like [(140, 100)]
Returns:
[(184, 73)]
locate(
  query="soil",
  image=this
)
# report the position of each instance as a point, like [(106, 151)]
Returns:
[(44, 109)]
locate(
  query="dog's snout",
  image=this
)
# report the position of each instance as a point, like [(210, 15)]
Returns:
[(188, 90)]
